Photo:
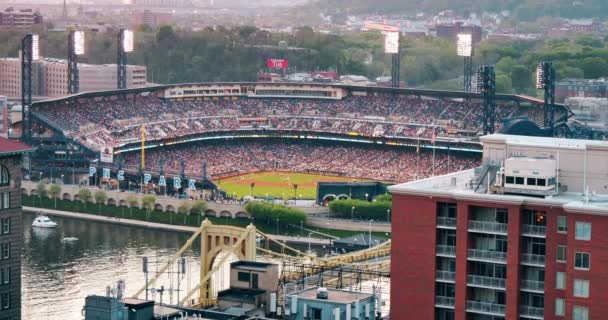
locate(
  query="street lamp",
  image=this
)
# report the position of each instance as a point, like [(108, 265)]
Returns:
[(309, 251), (62, 178), (301, 227), (352, 213), (388, 215), (277, 226), (366, 196)]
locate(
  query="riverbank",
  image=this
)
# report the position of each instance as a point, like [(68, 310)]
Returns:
[(160, 226)]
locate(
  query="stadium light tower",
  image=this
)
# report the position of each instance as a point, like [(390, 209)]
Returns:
[(464, 48), (125, 45), (486, 86), (545, 79), (30, 52), (75, 48), (391, 46)]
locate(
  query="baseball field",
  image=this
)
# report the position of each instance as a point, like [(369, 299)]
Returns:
[(276, 184)]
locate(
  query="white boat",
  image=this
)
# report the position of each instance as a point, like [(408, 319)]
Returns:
[(43, 221)]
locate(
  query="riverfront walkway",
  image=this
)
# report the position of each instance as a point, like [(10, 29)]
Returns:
[(160, 226)]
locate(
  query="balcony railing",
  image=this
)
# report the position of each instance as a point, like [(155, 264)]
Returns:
[(486, 308), (446, 222), (444, 250), (446, 302), (528, 229), (488, 226), (442, 275), (533, 285), (487, 255), (532, 312), (486, 282), (533, 259)]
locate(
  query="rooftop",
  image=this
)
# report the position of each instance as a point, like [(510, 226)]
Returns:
[(10, 147), (335, 296), (556, 143), (254, 264)]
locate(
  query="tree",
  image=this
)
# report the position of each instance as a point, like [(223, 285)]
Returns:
[(594, 67), (148, 201), (132, 201), (199, 207), (84, 195), (41, 189), (184, 208), (100, 198), (55, 191)]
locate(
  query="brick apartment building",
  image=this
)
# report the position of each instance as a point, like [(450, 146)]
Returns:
[(50, 77), (524, 236), (11, 235)]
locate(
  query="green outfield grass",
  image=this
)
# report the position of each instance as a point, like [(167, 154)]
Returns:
[(276, 184)]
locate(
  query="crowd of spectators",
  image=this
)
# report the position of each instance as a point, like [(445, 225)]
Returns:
[(233, 157), (109, 121)]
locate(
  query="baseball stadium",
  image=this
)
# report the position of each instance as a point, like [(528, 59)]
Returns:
[(278, 140)]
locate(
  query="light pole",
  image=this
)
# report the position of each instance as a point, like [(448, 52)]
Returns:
[(62, 178), (277, 226), (352, 213), (388, 215), (366, 196), (301, 227)]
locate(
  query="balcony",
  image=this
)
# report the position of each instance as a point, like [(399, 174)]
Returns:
[(445, 276), (486, 282), (487, 256), (488, 227), (488, 308), (444, 302), (532, 285), (531, 312), (536, 260), (446, 222), (446, 251), (533, 231)]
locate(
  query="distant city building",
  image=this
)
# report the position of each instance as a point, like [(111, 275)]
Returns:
[(23, 17), (50, 77), (3, 116), (11, 227), (321, 303), (450, 31), (152, 19), (163, 3), (595, 88)]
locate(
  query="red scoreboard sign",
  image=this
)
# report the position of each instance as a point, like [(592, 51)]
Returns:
[(277, 63)]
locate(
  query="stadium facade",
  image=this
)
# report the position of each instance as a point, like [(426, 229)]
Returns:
[(521, 237)]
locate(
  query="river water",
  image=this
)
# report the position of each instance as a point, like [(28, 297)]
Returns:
[(57, 275)]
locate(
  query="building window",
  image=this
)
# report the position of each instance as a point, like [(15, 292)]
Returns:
[(519, 180), (561, 254), (560, 307), (562, 224), (5, 250), (5, 225), (244, 276), (5, 301), (5, 277), (580, 313), (5, 178), (582, 231), (582, 260), (581, 288), (5, 200), (560, 280)]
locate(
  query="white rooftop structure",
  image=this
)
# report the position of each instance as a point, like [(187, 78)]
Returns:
[(580, 180)]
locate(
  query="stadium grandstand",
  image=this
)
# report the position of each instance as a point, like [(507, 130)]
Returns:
[(374, 133)]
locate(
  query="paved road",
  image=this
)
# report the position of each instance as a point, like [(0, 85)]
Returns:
[(344, 224), (161, 226)]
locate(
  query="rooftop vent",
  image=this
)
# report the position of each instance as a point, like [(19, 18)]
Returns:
[(322, 293)]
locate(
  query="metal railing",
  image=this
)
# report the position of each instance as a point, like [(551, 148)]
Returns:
[(445, 275), (534, 230), (533, 259), (533, 285), (486, 307), (446, 250), (483, 281), (493, 256), (444, 301), (446, 222), (528, 311), (488, 226)]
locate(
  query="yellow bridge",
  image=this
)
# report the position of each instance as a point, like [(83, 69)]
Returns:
[(241, 242)]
